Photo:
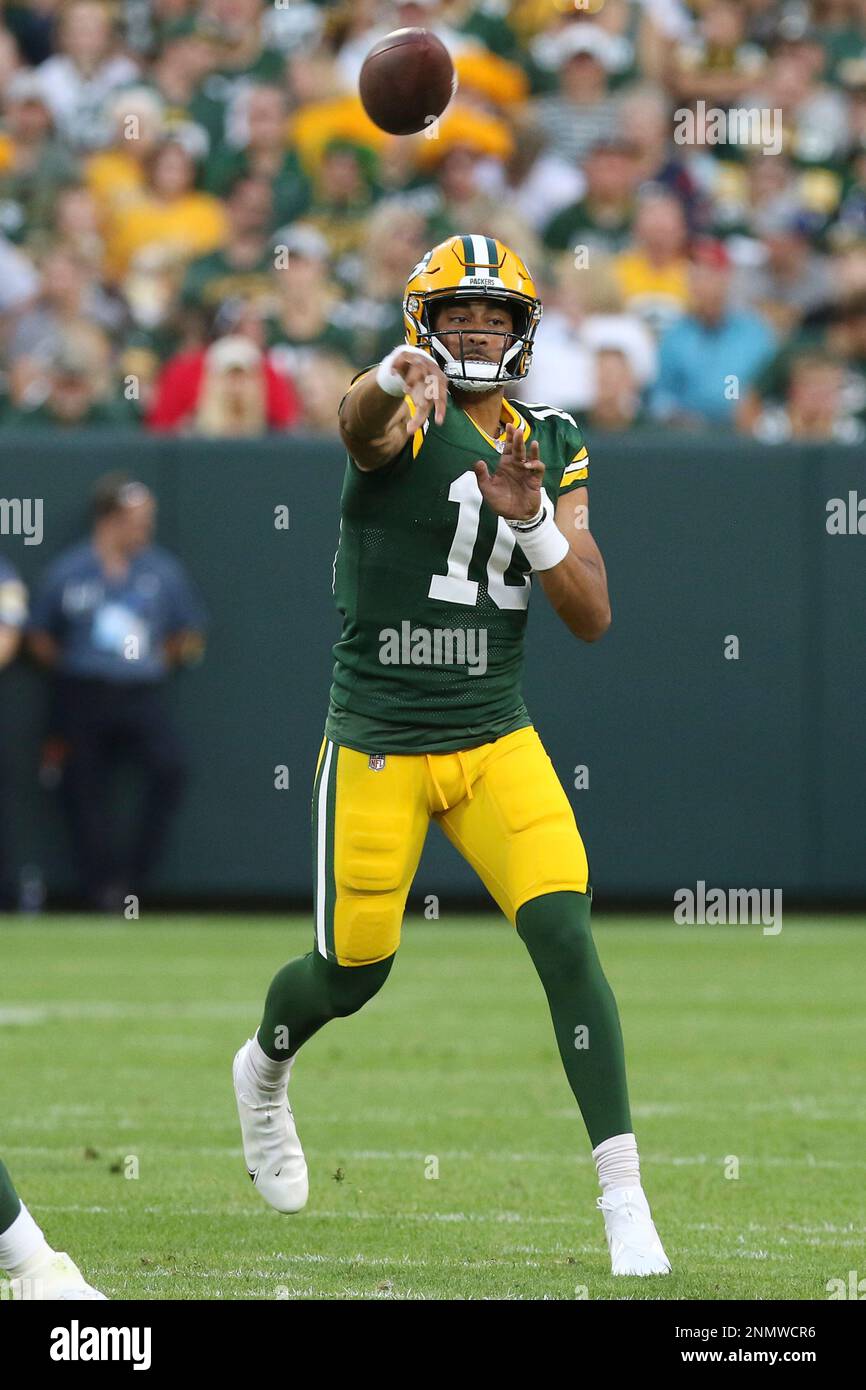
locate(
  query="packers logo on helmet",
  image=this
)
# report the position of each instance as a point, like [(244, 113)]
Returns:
[(473, 267)]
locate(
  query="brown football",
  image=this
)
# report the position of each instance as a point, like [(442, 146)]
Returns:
[(407, 81)]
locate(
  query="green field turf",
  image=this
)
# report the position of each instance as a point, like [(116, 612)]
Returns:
[(116, 1045)]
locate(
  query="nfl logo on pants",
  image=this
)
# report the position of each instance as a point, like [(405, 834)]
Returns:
[(377, 762)]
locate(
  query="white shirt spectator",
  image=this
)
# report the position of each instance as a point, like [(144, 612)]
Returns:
[(79, 104), (551, 184), (563, 361), (19, 282), (670, 16)]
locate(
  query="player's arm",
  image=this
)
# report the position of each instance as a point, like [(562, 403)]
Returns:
[(577, 587), (375, 419), (559, 545)]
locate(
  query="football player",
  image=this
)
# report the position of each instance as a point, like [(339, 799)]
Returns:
[(35, 1270), (453, 497)]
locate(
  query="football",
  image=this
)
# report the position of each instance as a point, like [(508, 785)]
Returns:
[(407, 80)]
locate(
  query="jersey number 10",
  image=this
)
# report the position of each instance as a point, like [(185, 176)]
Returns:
[(456, 586)]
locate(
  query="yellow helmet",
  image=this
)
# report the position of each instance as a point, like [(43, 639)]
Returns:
[(473, 267)]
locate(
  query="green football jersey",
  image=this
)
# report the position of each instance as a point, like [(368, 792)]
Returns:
[(434, 591)]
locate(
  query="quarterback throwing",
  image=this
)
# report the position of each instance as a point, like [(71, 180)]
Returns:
[(454, 496)]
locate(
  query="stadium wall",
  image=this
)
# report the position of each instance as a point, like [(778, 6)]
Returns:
[(747, 772)]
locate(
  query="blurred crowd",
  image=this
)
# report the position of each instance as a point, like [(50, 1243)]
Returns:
[(202, 233)]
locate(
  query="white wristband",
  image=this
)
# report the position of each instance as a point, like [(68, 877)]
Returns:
[(390, 381), (540, 538)]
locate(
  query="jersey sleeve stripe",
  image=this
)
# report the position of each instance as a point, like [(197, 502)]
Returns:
[(573, 475)]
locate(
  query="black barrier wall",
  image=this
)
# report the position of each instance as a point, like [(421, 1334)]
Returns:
[(747, 772)]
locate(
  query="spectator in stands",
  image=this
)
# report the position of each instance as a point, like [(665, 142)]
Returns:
[(583, 110), (371, 318), (70, 295), (73, 390), (13, 616), (815, 114), (169, 214), (77, 226), (185, 57), (112, 617), (766, 192), (794, 280), (463, 201), (232, 400), (616, 402), (85, 70), (851, 224), (716, 64), (534, 181), (188, 378), (344, 191), (10, 56), (322, 380), (814, 409), (603, 218), (260, 151), (33, 29), (840, 338), (34, 163), (646, 123), (584, 314), (849, 276), (19, 282), (243, 265), (709, 357), (241, 55), (304, 319), (117, 176), (653, 271)]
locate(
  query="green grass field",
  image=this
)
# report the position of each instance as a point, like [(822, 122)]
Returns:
[(115, 1055)]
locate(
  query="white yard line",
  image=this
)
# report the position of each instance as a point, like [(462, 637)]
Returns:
[(326, 1157)]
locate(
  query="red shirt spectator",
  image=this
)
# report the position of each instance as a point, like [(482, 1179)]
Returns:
[(179, 386)]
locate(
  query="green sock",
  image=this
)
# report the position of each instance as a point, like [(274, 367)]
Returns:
[(556, 931), (10, 1202), (309, 992)]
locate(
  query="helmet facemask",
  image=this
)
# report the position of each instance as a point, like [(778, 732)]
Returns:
[(473, 374)]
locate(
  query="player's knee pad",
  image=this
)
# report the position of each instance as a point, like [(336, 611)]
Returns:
[(367, 927), (347, 988), (371, 882)]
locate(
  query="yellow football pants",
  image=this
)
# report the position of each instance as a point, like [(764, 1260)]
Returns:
[(501, 805)]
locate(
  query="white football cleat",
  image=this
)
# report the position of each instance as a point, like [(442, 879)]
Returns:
[(272, 1150), (632, 1238), (57, 1278)]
